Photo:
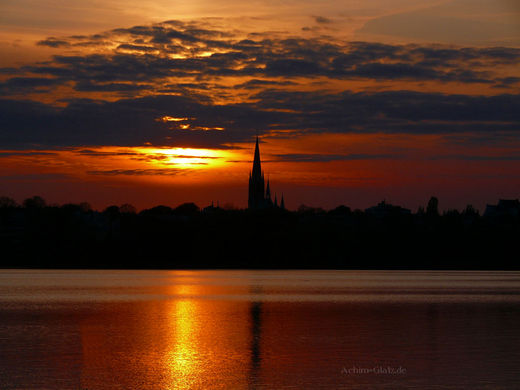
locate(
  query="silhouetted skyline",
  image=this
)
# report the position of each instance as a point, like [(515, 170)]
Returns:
[(383, 236)]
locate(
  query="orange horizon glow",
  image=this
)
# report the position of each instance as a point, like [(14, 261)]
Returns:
[(434, 165)]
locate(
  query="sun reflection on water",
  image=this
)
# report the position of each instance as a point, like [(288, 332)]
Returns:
[(183, 360)]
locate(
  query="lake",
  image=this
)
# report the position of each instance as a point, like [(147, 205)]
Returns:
[(259, 329)]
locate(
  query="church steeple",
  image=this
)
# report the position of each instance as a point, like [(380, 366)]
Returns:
[(256, 182), (257, 168), (259, 194)]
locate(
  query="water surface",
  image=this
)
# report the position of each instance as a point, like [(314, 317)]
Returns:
[(259, 329)]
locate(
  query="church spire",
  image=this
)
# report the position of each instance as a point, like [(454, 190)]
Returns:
[(257, 168), (256, 182), (260, 193)]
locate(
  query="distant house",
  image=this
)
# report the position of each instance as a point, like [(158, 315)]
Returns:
[(384, 209), (505, 207), (211, 208)]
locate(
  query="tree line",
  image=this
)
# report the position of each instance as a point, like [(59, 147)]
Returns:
[(36, 234)]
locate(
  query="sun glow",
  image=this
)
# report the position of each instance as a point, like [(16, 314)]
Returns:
[(186, 157)]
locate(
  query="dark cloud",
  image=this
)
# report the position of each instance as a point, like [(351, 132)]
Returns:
[(139, 172), (155, 53), (97, 153), (259, 84), (126, 46), (5, 154), (127, 122), (134, 122), (293, 68), (400, 71), (507, 82), (405, 111), (17, 85), (54, 42), (87, 86), (322, 20), (179, 69)]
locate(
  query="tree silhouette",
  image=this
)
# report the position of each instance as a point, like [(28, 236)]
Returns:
[(432, 209), (6, 202), (112, 212), (36, 202), (127, 209), (187, 209)]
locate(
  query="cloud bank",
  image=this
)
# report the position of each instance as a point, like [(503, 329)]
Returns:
[(229, 87)]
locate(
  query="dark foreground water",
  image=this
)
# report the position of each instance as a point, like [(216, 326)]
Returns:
[(259, 330)]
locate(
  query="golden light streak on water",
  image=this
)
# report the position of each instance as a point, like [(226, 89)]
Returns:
[(183, 360)]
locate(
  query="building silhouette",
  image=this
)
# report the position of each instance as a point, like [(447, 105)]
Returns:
[(384, 209), (505, 207), (260, 194)]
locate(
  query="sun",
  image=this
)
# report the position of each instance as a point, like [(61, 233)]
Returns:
[(186, 157)]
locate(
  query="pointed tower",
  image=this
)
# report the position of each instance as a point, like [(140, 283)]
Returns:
[(256, 182), (282, 203), (268, 199)]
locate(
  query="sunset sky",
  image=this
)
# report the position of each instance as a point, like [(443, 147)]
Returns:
[(354, 101)]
